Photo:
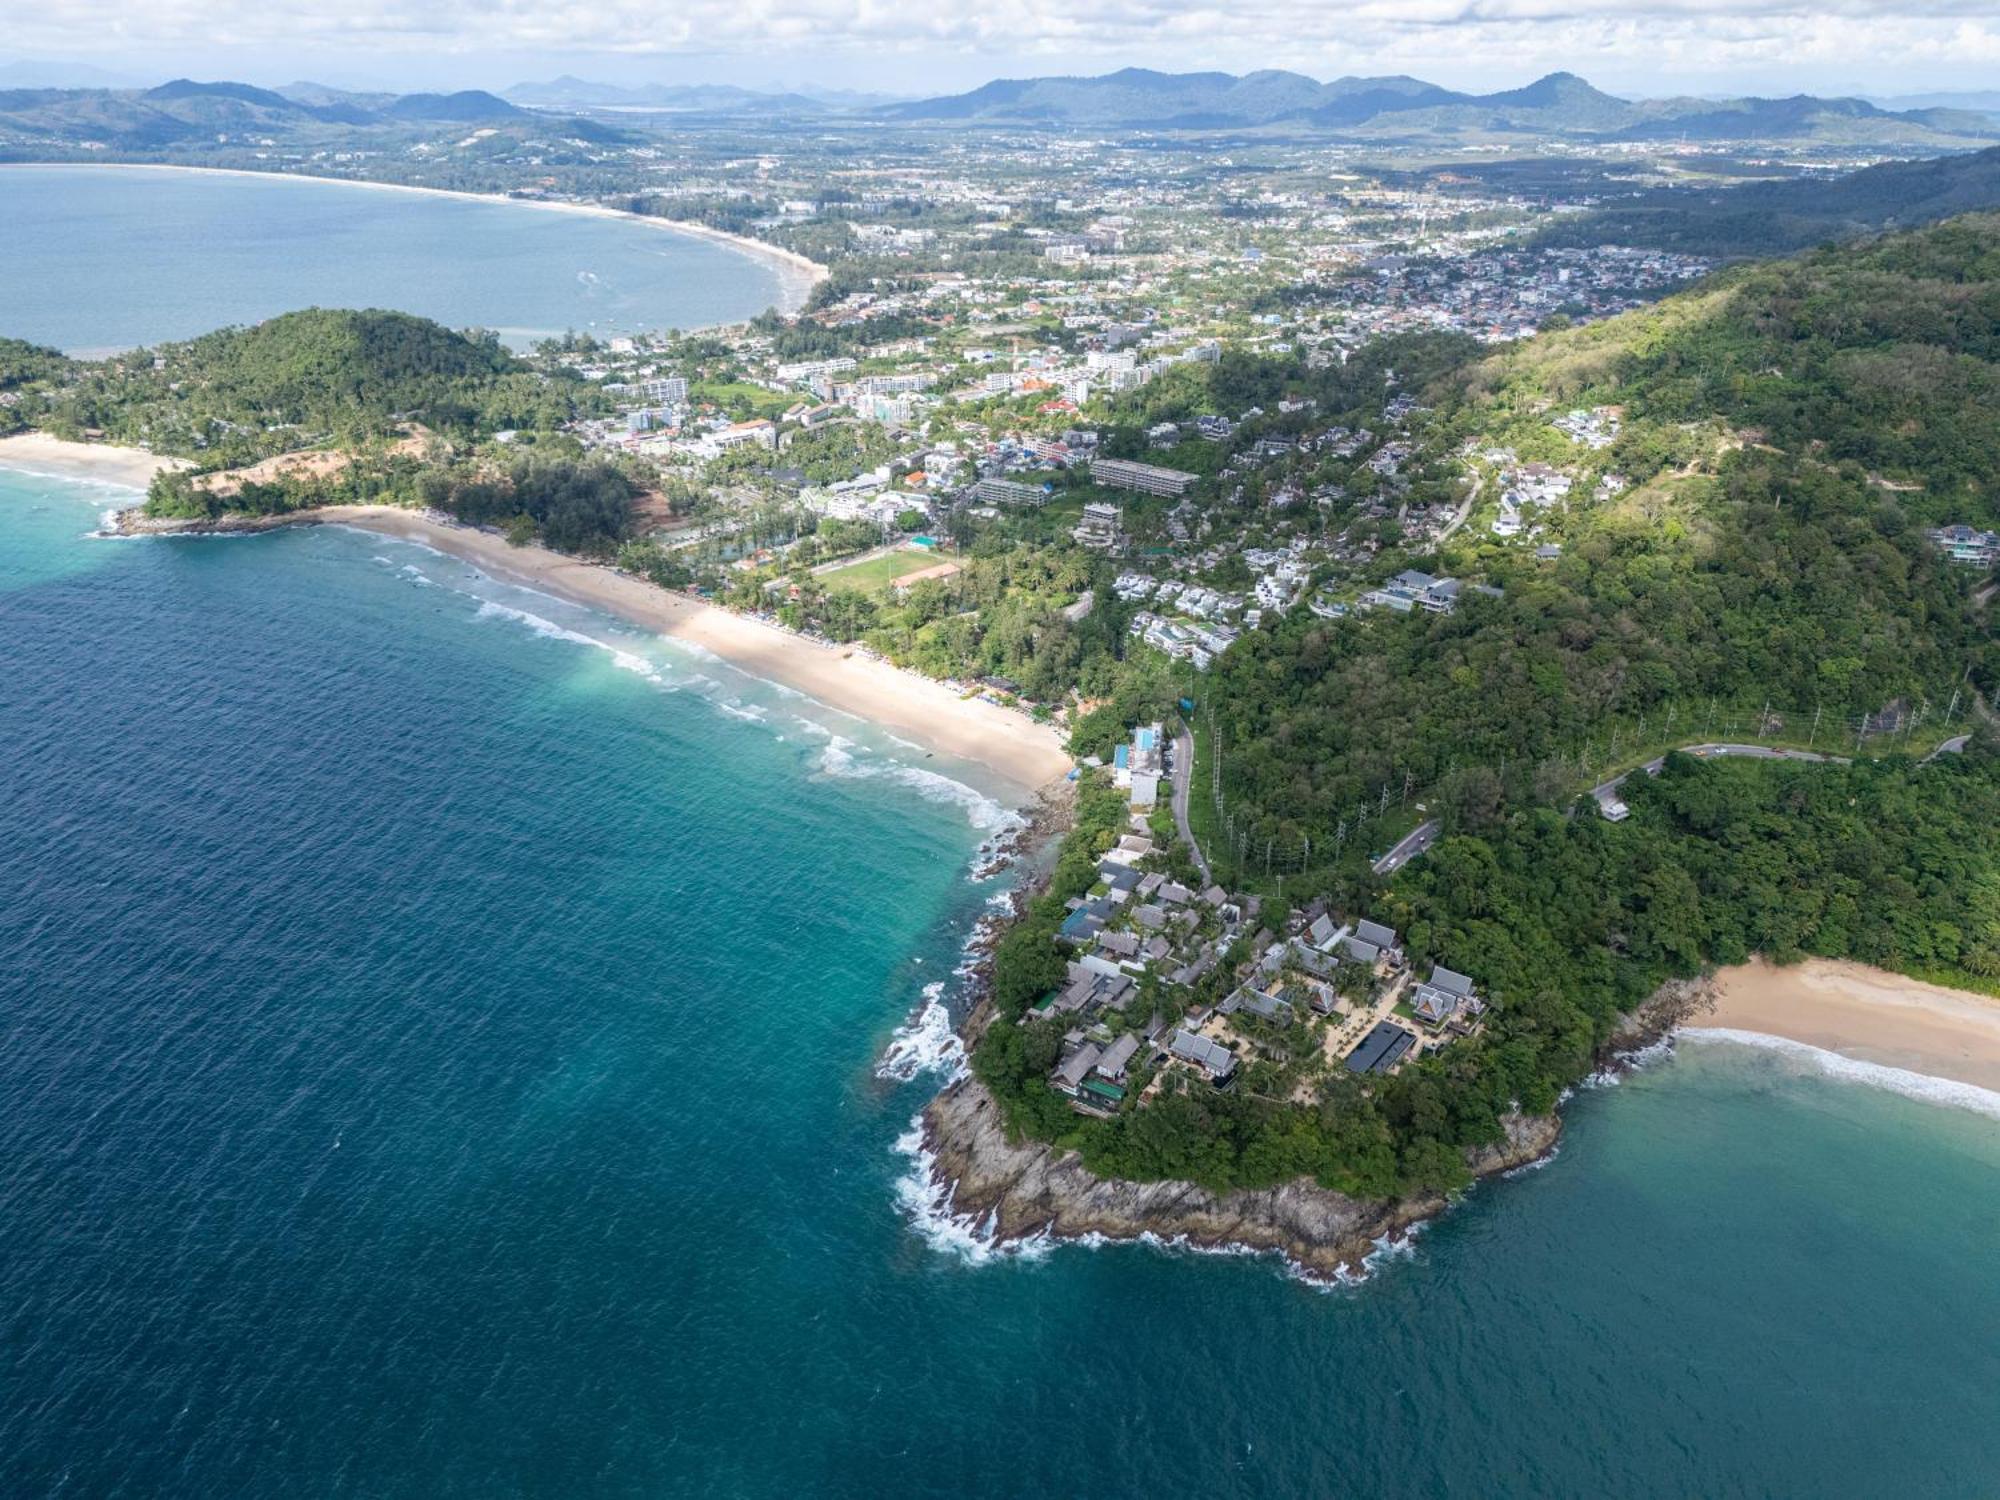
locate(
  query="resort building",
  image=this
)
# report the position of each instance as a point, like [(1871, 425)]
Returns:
[(1138, 765), (1381, 1049), (1146, 479), (995, 491), (1211, 1059), (1438, 999), (1102, 526)]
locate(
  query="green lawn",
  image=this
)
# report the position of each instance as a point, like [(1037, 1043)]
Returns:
[(875, 575)]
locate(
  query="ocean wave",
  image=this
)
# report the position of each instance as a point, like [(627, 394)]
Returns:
[(925, 1043), (1533, 1166), (924, 1196), (1638, 1059), (1923, 1087), (550, 630), (981, 811)]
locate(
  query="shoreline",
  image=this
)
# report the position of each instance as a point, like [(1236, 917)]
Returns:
[(1023, 755), (974, 1188), (48, 457), (798, 274), (1864, 1015)]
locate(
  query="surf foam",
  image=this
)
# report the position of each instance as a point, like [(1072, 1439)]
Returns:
[(1923, 1087)]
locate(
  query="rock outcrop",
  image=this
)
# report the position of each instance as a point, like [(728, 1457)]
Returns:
[(1021, 1190)]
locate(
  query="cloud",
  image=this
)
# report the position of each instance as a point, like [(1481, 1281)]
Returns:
[(1486, 40)]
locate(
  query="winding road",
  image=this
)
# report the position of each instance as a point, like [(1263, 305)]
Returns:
[(1183, 775), (1420, 838)]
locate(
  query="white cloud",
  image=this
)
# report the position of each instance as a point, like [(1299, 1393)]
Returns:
[(1650, 47)]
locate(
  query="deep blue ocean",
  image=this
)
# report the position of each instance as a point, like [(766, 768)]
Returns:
[(102, 258), (440, 1052)]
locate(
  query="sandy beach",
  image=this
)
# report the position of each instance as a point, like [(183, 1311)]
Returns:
[(38, 453), (1026, 755), (1021, 754), (798, 275), (1865, 1014)]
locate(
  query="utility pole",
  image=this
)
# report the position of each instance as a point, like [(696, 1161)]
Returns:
[(1817, 711)]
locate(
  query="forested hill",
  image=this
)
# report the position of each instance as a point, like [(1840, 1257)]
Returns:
[(1788, 431), (1775, 218), (1884, 353), (303, 379)]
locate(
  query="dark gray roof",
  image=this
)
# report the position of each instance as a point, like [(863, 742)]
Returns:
[(1192, 1047), (1381, 1049), (1076, 1067), (1258, 1004), (1112, 1064), (1450, 981), (1376, 933), (1361, 952)]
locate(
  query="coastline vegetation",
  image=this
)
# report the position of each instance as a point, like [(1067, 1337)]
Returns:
[(1572, 922)]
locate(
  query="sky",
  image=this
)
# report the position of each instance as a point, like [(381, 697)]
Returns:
[(920, 47)]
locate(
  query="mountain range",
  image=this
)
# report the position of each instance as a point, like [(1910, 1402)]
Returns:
[(185, 110), (1399, 108), (569, 92)]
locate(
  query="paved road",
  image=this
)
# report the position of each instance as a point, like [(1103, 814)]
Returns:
[(1464, 511), (1420, 838), (1604, 790), (1415, 842), (1183, 775), (1951, 746)]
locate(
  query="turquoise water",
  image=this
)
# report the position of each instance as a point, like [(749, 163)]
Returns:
[(439, 1044), (102, 258)]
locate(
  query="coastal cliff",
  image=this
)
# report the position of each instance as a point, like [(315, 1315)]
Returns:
[(1018, 1190), (1028, 1188)]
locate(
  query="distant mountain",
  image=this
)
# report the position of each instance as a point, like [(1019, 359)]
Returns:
[(690, 98), (1986, 102), (473, 106), (243, 105), (185, 110), (1561, 105), (28, 73), (1767, 218)]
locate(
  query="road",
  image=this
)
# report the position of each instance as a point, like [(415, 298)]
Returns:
[(1463, 514), (1183, 775), (1413, 843), (1420, 838), (1605, 789)]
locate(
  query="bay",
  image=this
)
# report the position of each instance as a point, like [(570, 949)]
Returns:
[(106, 258), (439, 1043)]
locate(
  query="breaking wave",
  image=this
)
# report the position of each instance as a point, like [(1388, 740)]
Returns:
[(926, 1043), (548, 629), (981, 811), (925, 1197), (1922, 1087)]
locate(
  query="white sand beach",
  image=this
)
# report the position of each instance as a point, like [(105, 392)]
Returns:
[(1021, 753), (1865, 1014), (38, 453)]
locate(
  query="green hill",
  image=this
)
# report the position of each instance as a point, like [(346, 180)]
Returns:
[(1788, 431), (1774, 218), (300, 380)]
